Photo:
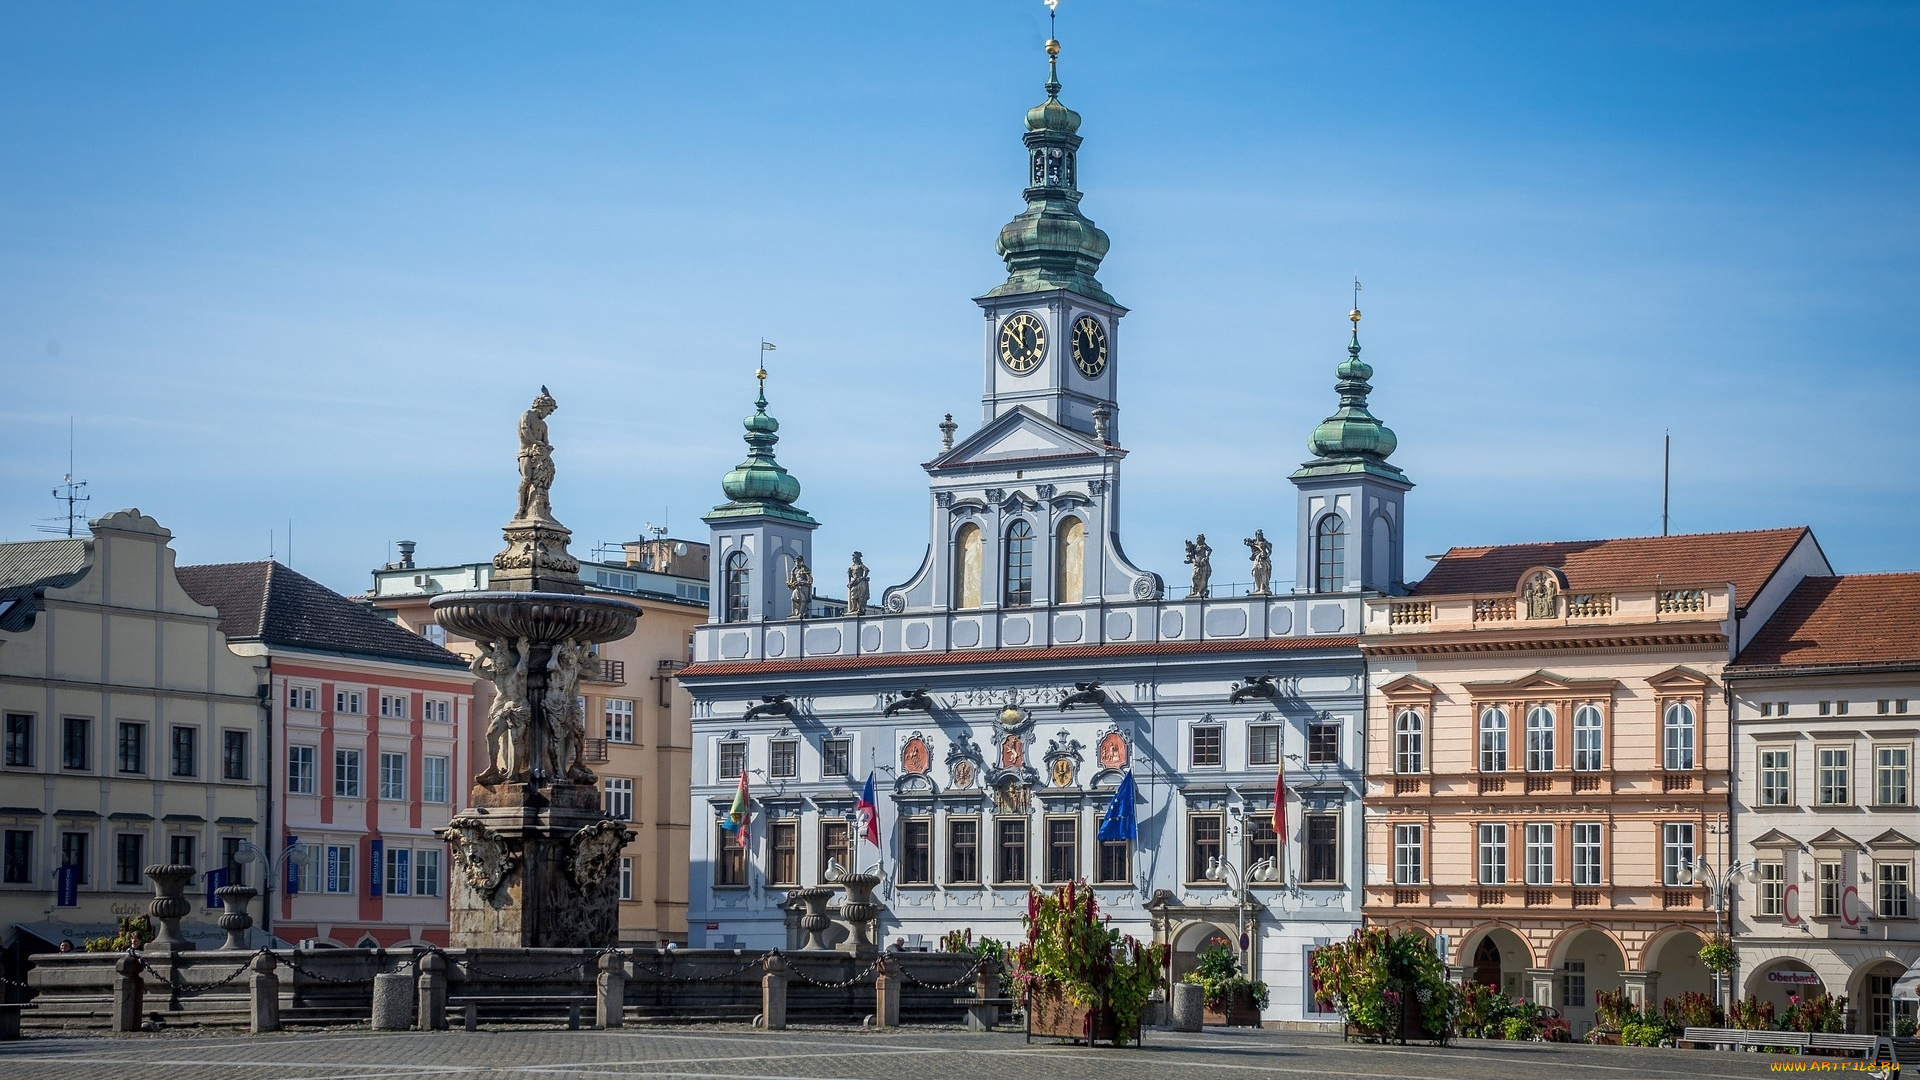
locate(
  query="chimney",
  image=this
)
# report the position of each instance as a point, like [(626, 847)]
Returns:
[(406, 554)]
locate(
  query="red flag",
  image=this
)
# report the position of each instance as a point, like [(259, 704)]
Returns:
[(1280, 808), (868, 811)]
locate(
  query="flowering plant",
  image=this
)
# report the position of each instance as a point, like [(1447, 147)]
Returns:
[(1718, 956), (1377, 977), (1218, 976), (1071, 948)]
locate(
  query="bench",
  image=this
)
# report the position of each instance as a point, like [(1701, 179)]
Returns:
[(1871, 1047), (470, 1005), (982, 1012), (1736, 1038)]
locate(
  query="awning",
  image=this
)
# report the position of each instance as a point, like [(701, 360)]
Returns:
[(1907, 987)]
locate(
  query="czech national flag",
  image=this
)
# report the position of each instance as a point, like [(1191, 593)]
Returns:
[(869, 813), (738, 815)]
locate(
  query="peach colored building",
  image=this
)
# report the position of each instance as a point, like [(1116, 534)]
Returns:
[(1547, 754)]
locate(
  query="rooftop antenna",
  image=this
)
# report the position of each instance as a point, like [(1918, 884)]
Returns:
[(1666, 480), (71, 492)]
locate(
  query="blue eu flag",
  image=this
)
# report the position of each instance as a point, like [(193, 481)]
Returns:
[(1118, 823)]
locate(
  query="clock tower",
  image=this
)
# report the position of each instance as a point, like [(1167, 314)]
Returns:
[(1052, 333)]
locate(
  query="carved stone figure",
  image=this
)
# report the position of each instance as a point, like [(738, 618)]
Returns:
[(1539, 594), (595, 852), (1262, 551), (1200, 557), (857, 586), (566, 720), (480, 853), (536, 459), (800, 582), (508, 716)]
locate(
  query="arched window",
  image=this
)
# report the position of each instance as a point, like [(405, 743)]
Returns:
[(966, 566), (1330, 555), (1676, 731), (1493, 739), (1018, 590), (739, 582), (1540, 739), (1069, 562), (1409, 743), (1586, 739)]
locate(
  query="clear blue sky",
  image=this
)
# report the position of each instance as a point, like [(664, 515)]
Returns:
[(310, 261)]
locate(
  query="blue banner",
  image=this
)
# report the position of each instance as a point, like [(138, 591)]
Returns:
[(293, 872), (402, 867), (333, 868), (66, 886), (216, 880), (373, 873)]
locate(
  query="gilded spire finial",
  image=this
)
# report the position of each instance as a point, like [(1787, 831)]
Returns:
[(765, 348), (1053, 51)]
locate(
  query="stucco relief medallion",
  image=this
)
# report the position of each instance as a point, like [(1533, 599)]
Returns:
[(1013, 752), (1062, 773), (1112, 753), (964, 763), (483, 855), (596, 851), (915, 758)]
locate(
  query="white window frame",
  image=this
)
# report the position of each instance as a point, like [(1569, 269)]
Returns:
[(349, 702), (341, 857), (618, 714), (1833, 774), (1679, 727), (1493, 853), (1770, 888), (1264, 744), (1776, 776), (789, 747), (1409, 743), (1409, 848), (302, 698), (426, 872), (1589, 738), (303, 770), (1541, 722), (435, 773), (399, 877), (1893, 888), (1495, 724), (626, 878), (393, 776), (436, 710), (1676, 853), (396, 707), (347, 778), (1540, 853), (1892, 783), (1219, 746), (1589, 866), (620, 797)]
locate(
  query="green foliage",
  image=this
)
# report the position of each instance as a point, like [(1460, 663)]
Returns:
[(1718, 956), (1642, 1033), (1751, 1015), (1377, 975), (1903, 1027), (963, 941), (1071, 948), (1692, 1009), (1611, 1008), (1218, 976), (133, 932), (1819, 1013)]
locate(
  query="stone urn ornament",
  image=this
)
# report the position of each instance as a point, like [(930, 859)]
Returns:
[(169, 905), (859, 910), (815, 921), (236, 922)]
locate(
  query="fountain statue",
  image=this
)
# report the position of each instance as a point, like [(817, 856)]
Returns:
[(534, 854)]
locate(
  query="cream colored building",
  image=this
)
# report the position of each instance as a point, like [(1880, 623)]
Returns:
[(639, 735), (131, 734)]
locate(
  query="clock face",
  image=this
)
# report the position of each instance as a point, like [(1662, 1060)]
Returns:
[(1089, 346), (1023, 343)]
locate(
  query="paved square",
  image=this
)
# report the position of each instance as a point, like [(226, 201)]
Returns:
[(732, 1053)]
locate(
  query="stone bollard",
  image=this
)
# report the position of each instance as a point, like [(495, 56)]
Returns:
[(886, 994), (431, 989), (129, 995), (773, 993), (263, 995), (986, 985), (392, 1002), (1189, 1006), (610, 1004)]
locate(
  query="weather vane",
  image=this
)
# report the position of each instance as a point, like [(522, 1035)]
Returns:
[(765, 348), (1355, 315)]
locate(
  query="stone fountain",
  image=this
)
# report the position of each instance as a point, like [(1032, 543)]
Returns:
[(534, 855), (859, 909)]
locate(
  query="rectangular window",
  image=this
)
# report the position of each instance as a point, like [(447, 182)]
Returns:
[(1890, 775), (300, 770), (1883, 706), (1323, 742), (1776, 777), (626, 877), (1573, 984), (346, 774), (1895, 889), (1766, 708), (732, 761), (1493, 854), (1203, 844), (1063, 849), (433, 779), (436, 710), (399, 871), (180, 852), (1826, 708), (1010, 854), (916, 855), (1114, 862), (300, 697), (834, 756), (1206, 745), (130, 754), (74, 852), (1586, 853), (233, 755), (348, 701), (394, 707), (834, 847), (1539, 854), (1780, 708), (1263, 744), (185, 756), (784, 839), (1262, 841), (1408, 860), (426, 872), (783, 759), (1836, 788), (1832, 884), (963, 851), (129, 858), (618, 713), (1771, 878), (1587, 726), (393, 776), (1676, 853), (19, 738), (76, 743), (1841, 707), (16, 862), (339, 868), (729, 860), (1322, 848), (620, 798)]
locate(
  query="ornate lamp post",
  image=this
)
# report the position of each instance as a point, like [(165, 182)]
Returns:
[(1223, 870), (272, 866), (1719, 878)]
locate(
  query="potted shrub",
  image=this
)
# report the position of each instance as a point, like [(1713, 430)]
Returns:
[(1231, 998), (1611, 1010), (1082, 978), (1390, 986)]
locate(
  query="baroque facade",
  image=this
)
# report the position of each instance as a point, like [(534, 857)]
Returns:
[(999, 695)]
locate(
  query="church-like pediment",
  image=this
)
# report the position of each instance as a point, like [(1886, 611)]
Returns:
[(1409, 686), (1679, 679), (1892, 838), (1019, 435), (1833, 838), (1774, 838), (1542, 683)]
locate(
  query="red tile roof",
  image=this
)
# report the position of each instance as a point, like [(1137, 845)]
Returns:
[(1858, 619), (1010, 655), (1747, 559), (272, 604)]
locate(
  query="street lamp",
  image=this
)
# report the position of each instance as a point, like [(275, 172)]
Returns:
[(297, 852), (1719, 882), (1263, 870)]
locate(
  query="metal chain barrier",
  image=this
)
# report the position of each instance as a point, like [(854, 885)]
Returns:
[(965, 978), (858, 977), (316, 976), (667, 977), (593, 957), (172, 981)]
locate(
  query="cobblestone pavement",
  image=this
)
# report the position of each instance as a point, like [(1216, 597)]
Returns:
[(734, 1053)]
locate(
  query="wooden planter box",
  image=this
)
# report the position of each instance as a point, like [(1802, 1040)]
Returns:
[(1240, 1011), (1050, 1014)]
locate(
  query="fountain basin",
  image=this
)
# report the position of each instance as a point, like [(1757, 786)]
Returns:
[(542, 617)]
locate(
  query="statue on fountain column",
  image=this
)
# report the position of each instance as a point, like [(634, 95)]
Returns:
[(566, 720), (510, 712), (1262, 551), (857, 576), (536, 459), (800, 581)]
